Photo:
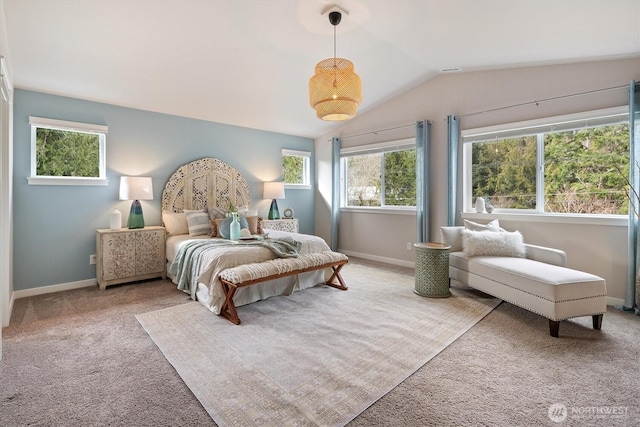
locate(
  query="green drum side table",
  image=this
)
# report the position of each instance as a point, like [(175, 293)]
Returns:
[(432, 270)]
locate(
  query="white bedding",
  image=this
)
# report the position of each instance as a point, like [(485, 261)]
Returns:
[(208, 288)]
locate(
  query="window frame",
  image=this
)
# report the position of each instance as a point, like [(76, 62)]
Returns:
[(538, 128), (306, 165), (381, 147), (44, 123)]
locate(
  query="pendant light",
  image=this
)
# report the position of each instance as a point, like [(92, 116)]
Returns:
[(335, 90)]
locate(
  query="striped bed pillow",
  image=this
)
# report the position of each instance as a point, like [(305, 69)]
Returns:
[(198, 222)]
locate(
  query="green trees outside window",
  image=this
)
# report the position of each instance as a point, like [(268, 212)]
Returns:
[(67, 153), (293, 170), (381, 179), (364, 180), (584, 171), (296, 167), (400, 178), (505, 171)]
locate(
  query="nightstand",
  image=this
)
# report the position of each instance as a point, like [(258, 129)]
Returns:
[(285, 224), (127, 255)]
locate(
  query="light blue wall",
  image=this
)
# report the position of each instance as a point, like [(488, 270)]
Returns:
[(54, 226)]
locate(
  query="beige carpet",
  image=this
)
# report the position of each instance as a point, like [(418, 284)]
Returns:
[(317, 357)]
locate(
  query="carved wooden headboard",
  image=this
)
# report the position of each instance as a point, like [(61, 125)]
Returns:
[(205, 182)]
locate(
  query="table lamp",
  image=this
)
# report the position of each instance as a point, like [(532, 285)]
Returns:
[(136, 188), (273, 191)]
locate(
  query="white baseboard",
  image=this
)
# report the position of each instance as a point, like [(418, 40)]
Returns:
[(616, 302), (23, 293), (379, 258)]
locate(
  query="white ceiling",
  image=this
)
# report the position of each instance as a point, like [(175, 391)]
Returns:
[(248, 62)]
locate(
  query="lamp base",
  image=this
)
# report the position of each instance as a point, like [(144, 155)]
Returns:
[(274, 213), (136, 220)]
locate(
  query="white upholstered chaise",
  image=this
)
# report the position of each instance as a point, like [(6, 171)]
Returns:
[(539, 282)]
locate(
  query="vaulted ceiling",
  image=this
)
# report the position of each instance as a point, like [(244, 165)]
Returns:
[(248, 62)]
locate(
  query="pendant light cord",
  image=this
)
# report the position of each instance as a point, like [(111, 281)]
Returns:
[(335, 60), (334, 43)]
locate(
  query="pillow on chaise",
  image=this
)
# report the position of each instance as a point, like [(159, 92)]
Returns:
[(452, 235), (490, 226), (482, 243)]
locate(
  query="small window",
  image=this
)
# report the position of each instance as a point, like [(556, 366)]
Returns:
[(379, 175), (296, 171), (67, 153)]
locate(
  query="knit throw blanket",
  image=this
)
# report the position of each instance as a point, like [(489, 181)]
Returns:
[(187, 262)]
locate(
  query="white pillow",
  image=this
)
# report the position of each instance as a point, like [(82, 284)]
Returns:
[(490, 226), (452, 236), (198, 222), (483, 243), (175, 223)]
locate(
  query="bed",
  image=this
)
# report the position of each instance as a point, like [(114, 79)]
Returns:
[(210, 185)]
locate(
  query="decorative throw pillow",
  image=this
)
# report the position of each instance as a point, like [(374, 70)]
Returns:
[(215, 213), (253, 223), (452, 236), (218, 221), (490, 226), (482, 243), (198, 222), (259, 229), (175, 223), (225, 226), (214, 228)]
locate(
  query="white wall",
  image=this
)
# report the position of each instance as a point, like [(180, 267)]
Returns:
[(599, 250)]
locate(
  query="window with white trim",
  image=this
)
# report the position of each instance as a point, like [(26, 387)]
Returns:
[(67, 153), (379, 175), (296, 168), (575, 164)]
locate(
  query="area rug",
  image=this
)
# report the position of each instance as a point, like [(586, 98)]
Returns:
[(318, 357)]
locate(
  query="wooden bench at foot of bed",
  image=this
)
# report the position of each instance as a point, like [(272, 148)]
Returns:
[(251, 274)]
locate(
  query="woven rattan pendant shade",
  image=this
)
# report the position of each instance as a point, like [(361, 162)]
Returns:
[(335, 90)]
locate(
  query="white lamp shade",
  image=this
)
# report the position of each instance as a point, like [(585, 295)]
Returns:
[(273, 190), (136, 188)]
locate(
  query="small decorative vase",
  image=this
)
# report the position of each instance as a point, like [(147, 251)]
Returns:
[(480, 205), (115, 220), (234, 228), (489, 208)]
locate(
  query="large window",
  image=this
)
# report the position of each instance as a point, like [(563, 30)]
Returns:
[(67, 153), (380, 175), (575, 164), (296, 170)]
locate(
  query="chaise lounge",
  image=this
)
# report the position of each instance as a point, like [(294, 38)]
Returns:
[(536, 278)]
